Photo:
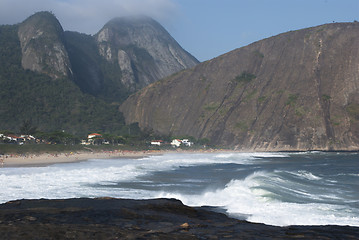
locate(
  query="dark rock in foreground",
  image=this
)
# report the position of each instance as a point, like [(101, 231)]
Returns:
[(108, 218)]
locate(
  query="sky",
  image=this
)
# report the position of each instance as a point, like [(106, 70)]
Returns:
[(205, 28)]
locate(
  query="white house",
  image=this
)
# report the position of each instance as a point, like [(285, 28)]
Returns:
[(187, 143), (157, 142), (95, 138), (176, 142), (28, 137), (94, 135)]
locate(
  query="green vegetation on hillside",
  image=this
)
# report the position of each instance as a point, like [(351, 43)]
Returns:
[(292, 99), (92, 73), (49, 104), (245, 77), (353, 110)]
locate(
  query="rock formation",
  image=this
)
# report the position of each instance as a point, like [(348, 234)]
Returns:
[(295, 91), (127, 54), (53, 78), (143, 49), (42, 44), (108, 218)]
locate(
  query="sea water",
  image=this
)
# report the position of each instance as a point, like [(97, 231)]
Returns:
[(312, 188)]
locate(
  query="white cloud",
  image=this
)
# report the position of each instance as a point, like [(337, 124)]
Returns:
[(86, 16)]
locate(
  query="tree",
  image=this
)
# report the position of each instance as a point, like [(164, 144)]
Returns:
[(27, 128)]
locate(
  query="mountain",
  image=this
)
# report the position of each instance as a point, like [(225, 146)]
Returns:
[(62, 80), (42, 45), (143, 49), (126, 55), (48, 103), (295, 91)]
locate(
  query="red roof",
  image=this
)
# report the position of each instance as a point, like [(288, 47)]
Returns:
[(95, 134)]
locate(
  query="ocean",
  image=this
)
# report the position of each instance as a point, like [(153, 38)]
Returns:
[(281, 189)]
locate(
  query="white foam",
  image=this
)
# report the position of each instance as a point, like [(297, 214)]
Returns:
[(306, 175), (251, 196), (245, 198), (250, 156), (75, 179)]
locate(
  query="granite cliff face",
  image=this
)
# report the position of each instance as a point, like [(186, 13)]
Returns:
[(127, 54), (295, 91), (42, 43), (143, 49), (63, 80)]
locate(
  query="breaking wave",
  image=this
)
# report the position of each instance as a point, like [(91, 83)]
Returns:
[(273, 188)]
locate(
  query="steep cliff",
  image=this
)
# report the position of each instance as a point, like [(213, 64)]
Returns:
[(42, 44), (295, 91), (143, 49), (127, 54), (50, 103), (63, 81)]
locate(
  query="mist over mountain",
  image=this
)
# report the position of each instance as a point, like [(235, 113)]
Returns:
[(143, 49), (127, 54), (295, 91)]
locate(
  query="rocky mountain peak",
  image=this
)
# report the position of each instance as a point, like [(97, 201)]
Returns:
[(42, 44), (93, 82), (143, 49)]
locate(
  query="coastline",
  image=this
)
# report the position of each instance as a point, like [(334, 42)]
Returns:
[(114, 218), (46, 159), (147, 219)]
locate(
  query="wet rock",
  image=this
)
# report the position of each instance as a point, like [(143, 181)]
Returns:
[(108, 218)]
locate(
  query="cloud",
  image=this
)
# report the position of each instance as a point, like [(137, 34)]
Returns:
[(86, 16)]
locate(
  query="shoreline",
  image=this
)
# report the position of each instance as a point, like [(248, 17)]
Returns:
[(46, 159), (109, 218)]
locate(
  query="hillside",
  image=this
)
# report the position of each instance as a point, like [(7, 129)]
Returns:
[(62, 81), (42, 45), (295, 91), (143, 50), (50, 104), (126, 55)]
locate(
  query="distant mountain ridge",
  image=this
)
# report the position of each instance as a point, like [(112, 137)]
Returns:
[(64, 80), (43, 46), (127, 54), (292, 92), (143, 49)]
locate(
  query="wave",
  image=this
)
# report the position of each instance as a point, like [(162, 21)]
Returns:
[(254, 154), (255, 189), (90, 178), (250, 199), (306, 175)]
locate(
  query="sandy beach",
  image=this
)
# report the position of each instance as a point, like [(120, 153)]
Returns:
[(44, 159), (28, 160), (13, 160)]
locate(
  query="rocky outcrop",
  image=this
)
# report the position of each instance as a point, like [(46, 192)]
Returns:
[(143, 49), (127, 54), (128, 76), (295, 91), (42, 45), (108, 218)]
